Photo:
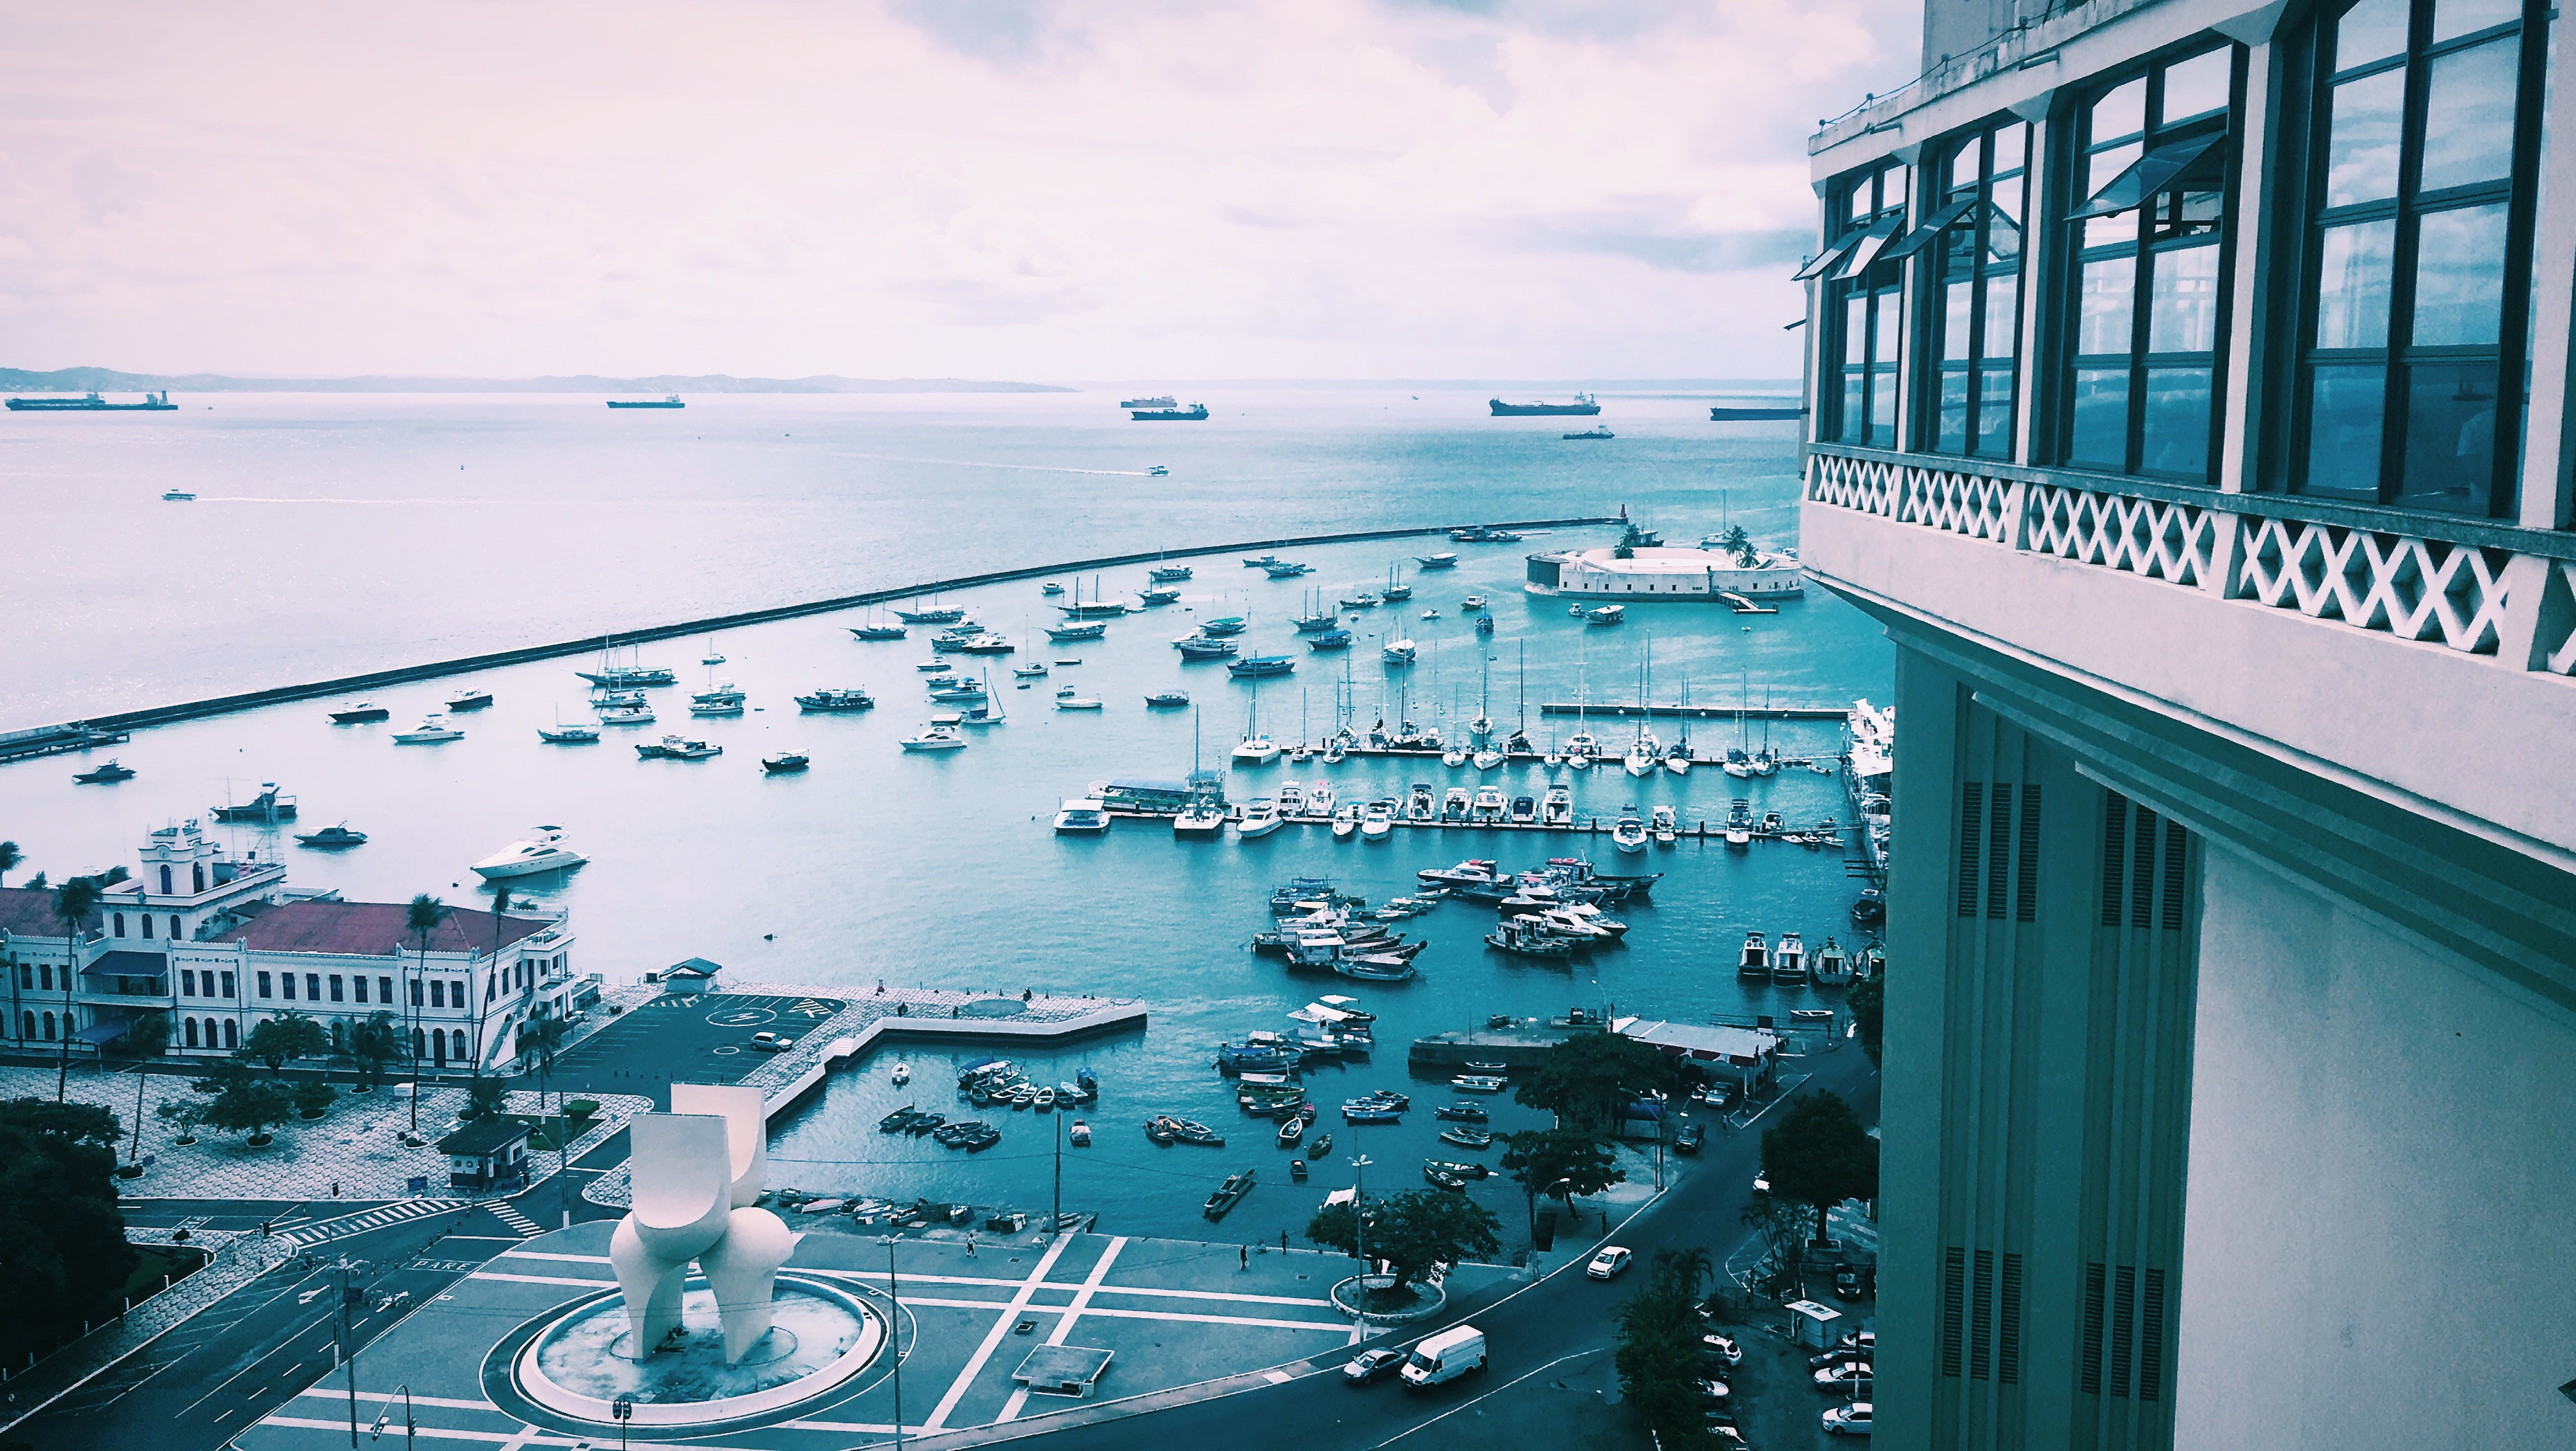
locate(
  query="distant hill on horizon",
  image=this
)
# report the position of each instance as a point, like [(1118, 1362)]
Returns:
[(109, 380)]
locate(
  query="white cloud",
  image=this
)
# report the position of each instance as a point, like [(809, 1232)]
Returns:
[(1021, 189)]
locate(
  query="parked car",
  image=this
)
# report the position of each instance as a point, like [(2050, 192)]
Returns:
[(1718, 1095), (1851, 1378), (1851, 1420), (1713, 1392), (1839, 1355), (1722, 1347), (1689, 1140), (1729, 1436), (766, 1041), (1372, 1366), (1761, 1182), (1851, 1281), (1609, 1262)]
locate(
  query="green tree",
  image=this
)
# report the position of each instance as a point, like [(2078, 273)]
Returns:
[(184, 1115), (373, 1043), (312, 1097), (1411, 1232), (1868, 999), (1736, 542), (1564, 1162), (74, 903), (251, 1106), (1820, 1155), (484, 1096), (488, 989), (420, 919), (285, 1038), (1658, 1348), (37, 883), (66, 1259), (1779, 1224), (1584, 1079), (10, 857)]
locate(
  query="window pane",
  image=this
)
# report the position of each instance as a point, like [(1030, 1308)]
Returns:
[(2459, 277), (2101, 166), (2110, 286), (2468, 121), (2101, 418), (1855, 410), (2452, 18), (2345, 402), (2182, 312), (1954, 411), (2008, 145), (1957, 303), (1856, 328), (1964, 167), (1885, 335), (2002, 337), (2353, 270), (1882, 408), (2450, 434), (1994, 411), (2121, 113), (2361, 149), (2372, 30), (2177, 422), (2003, 222), (2196, 87)]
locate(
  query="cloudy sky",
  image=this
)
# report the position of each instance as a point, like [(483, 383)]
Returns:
[(987, 188)]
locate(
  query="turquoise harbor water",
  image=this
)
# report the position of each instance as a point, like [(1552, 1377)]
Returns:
[(880, 866)]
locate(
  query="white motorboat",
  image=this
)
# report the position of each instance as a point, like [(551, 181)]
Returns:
[(1199, 821), (715, 707), (902, 1074), (1397, 652), (1455, 803), (626, 715), (1319, 801), (1377, 823), (1292, 800), (430, 732), (1453, 758), (543, 849), (1630, 832), (1666, 828), (1606, 615), (568, 735), (1083, 816), (1346, 821), (1641, 761), (1257, 750), (1077, 702), (1259, 819), (1490, 803), (933, 667), (1789, 961), (936, 738), (1487, 759), (1557, 807)]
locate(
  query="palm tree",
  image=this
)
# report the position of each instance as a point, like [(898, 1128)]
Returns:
[(423, 916), (9, 858), (483, 1001), (73, 903)]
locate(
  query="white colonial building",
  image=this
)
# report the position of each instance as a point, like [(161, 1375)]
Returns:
[(2188, 390), (219, 944)]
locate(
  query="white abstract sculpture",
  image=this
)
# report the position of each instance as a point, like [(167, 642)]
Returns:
[(696, 1170)]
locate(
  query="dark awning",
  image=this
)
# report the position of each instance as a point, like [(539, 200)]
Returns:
[(1933, 226), (1865, 251), (98, 1033), (128, 964), (2156, 172), (1824, 259)]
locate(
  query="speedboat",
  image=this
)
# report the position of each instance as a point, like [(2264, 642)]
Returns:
[(1201, 819), (1082, 816), (470, 698), (1167, 700), (1472, 602), (936, 738), (1756, 961), (113, 771), (1454, 804), (433, 731), (715, 707), (1077, 702), (1630, 833), (1259, 819), (1346, 821), (1666, 828), (902, 1074), (1397, 652), (935, 667), (785, 762), (1490, 803), (1420, 804), (1524, 810), (359, 712), (543, 849), (1557, 808), (331, 837), (1378, 821), (1789, 961), (1431, 614), (1257, 750)]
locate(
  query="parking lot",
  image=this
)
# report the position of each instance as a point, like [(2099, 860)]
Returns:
[(698, 1038)]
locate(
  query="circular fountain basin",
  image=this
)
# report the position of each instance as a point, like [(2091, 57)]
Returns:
[(582, 1362)]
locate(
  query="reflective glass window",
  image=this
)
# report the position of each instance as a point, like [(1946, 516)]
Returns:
[(1975, 266)]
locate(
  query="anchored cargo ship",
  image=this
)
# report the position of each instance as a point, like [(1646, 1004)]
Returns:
[(93, 403), (1191, 414), (1582, 406), (669, 400)]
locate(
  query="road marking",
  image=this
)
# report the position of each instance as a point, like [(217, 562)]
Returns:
[(1335, 1326), (993, 1338), (489, 1438), (1277, 1377), (864, 1428), (1064, 1322), (538, 1254), (449, 1402), (1209, 1295), (526, 1434), (533, 1279), (910, 1278), (1498, 1390)]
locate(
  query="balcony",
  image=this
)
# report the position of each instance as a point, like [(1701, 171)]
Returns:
[(2425, 657)]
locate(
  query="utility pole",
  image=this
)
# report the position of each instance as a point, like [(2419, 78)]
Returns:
[(348, 1360), (1055, 1226), (1359, 1217), (894, 1325)]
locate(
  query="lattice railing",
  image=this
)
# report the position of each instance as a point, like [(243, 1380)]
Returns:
[(2412, 586)]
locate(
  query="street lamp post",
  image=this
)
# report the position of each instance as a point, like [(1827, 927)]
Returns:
[(623, 1409), (411, 1428), (894, 1339)]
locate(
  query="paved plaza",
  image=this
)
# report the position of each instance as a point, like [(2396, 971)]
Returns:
[(1171, 1313)]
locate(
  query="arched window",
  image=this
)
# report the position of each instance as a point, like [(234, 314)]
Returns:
[(438, 1046), (49, 1027), (192, 1032), (165, 881), (147, 925), (175, 932), (120, 924), (199, 873), (232, 1033)]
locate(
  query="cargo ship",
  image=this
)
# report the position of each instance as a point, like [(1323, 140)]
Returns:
[(668, 400), (152, 403), (1583, 406), (1160, 400), (1191, 414)]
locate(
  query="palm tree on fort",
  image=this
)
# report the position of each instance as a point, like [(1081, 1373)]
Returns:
[(74, 901), (420, 919)]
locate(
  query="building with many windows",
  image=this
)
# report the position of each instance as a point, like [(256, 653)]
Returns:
[(2187, 394), (217, 945)]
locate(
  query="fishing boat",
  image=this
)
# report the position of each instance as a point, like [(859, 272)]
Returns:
[(1524, 939), (1256, 666), (1167, 700), (1375, 967), (1465, 1113), (832, 701), (1082, 816), (1477, 1083), (268, 805), (894, 1122), (1157, 595), (1756, 961), (1368, 1111), (1286, 569), (433, 731), (332, 837), (1361, 601), (107, 774), (1204, 647), (1397, 652), (560, 734), (1789, 961), (1331, 640), (1078, 1134), (785, 762), (936, 615), (1604, 614), (1442, 560), (1629, 834), (360, 712), (678, 748), (1467, 1138), (936, 738), (1440, 1178), (1228, 1194), (1291, 1130)]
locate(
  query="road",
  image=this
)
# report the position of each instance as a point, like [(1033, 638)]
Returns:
[(1534, 1336), (255, 1349)]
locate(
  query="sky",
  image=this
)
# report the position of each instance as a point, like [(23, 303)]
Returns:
[(924, 188)]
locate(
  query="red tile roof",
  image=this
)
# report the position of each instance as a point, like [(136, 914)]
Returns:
[(372, 929), (28, 912)]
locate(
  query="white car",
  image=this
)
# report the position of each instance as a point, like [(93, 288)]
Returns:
[(768, 1042), (1722, 1347), (1851, 1420), (1850, 1378), (1607, 1263)]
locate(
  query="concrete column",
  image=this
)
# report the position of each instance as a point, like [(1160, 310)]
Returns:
[(2248, 334), (2038, 253), (2549, 447)]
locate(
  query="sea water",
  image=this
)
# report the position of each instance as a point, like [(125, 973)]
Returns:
[(336, 534)]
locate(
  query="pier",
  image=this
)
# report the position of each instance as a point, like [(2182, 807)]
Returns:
[(1698, 712), (55, 740), (109, 728), (1817, 837)]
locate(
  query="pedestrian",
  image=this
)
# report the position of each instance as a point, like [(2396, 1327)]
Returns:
[(1246, 1252), (970, 1244), (335, 1188), (1283, 1241)]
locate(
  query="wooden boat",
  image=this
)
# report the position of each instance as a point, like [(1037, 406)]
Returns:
[(1470, 1113), (1467, 1138), (1443, 1179), (1079, 1135), (1291, 1129), (1228, 1194), (1297, 1170), (1463, 1171)]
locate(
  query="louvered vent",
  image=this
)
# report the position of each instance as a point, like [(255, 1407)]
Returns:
[(2151, 1337), (2124, 1304), (1981, 1342), (2092, 1362), (1999, 852), (2115, 820), (2008, 1319), (2175, 842), (2142, 870), (2026, 873), (1954, 1272), (1972, 806)]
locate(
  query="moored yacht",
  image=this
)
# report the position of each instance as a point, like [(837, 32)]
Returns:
[(1257, 750), (1397, 652), (360, 712), (1756, 961), (1557, 808), (1260, 818), (432, 731), (936, 738), (1082, 816), (543, 849), (1789, 961)]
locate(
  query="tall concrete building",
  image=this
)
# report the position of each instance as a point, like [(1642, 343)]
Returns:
[(2188, 386)]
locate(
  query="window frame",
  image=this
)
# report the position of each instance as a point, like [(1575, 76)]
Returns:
[(1865, 198), (1931, 367)]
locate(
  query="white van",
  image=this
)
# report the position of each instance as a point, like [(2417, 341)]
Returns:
[(1446, 1356)]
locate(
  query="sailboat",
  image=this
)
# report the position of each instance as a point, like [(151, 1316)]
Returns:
[(1642, 759), (1678, 759), (1396, 589), (1579, 747), (1481, 729), (712, 657), (1257, 748), (1202, 818)]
